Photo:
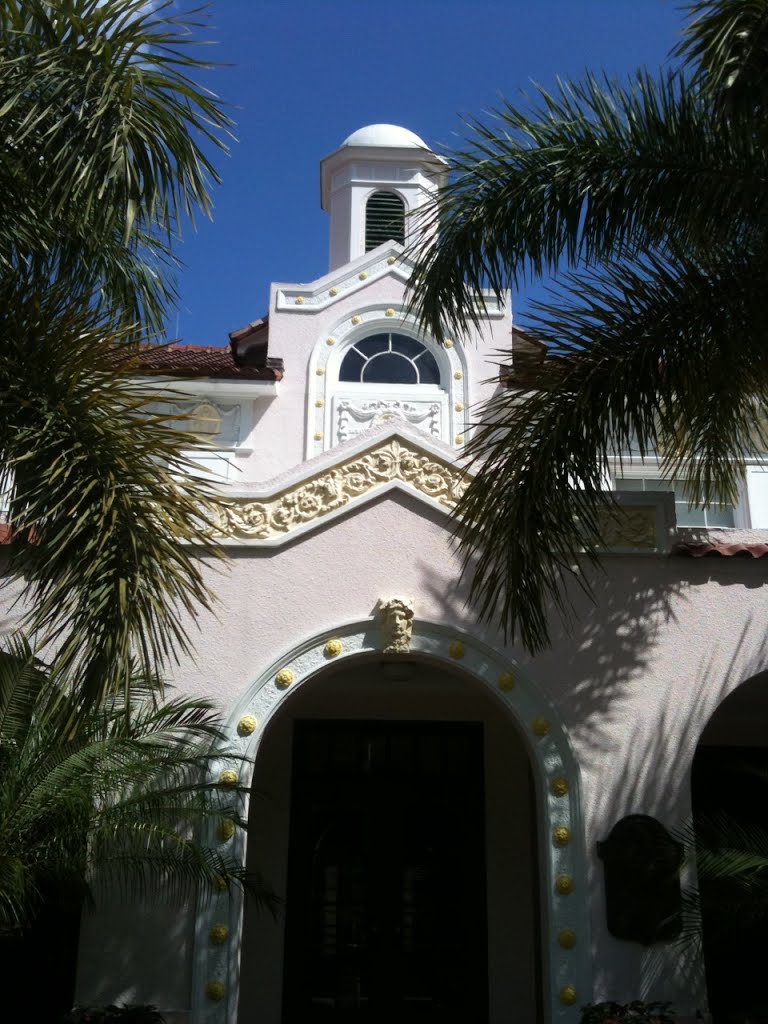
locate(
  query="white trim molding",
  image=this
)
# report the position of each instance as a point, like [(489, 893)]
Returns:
[(565, 923)]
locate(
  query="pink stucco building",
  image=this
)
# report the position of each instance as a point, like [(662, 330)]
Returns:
[(427, 797)]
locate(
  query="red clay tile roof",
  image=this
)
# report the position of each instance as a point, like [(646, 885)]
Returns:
[(724, 550), (203, 361)]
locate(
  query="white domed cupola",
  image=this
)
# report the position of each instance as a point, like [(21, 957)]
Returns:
[(372, 185)]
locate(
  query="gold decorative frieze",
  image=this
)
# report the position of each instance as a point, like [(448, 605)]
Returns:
[(334, 488)]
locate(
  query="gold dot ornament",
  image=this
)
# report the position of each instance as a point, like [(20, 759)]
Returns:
[(459, 439), (456, 649), (319, 371), (215, 991), (506, 681), (284, 677), (298, 301), (540, 727), (458, 375), (459, 407), (355, 320), (330, 341), (333, 648), (389, 312), (567, 995), (319, 403), (390, 260), (318, 436), (559, 786), (228, 777), (225, 831), (363, 276), (564, 885), (220, 884), (218, 934), (566, 938), (333, 291), (561, 836), (247, 725)]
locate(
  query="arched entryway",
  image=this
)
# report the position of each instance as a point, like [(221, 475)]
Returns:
[(730, 808), (420, 813)]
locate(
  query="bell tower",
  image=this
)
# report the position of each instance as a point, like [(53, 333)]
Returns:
[(372, 186)]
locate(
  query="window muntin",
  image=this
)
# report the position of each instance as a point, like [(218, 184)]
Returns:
[(384, 219), (717, 515), (389, 359)]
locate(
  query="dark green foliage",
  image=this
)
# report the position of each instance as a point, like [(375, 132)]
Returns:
[(119, 1014), (636, 1012), (649, 200)]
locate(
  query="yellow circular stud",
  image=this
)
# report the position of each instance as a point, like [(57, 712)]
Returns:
[(506, 681), (447, 343), (458, 375), (319, 371), (459, 407), (459, 439), (363, 276), (318, 436), (218, 934), (215, 991), (228, 777), (567, 995), (566, 938), (319, 403), (564, 885), (540, 727), (333, 648), (298, 301), (355, 320), (284, 677), (561, 835), (559, 786), (330, 341), (389, 312), (225, 831), (333, 291), (390, 260), (247, 725), (456, 649)]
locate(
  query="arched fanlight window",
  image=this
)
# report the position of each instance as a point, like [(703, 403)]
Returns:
[(389, 359), (384, 219)]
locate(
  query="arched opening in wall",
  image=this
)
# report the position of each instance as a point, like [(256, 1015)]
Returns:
[(384, 219), (730, 807), (397, 818)]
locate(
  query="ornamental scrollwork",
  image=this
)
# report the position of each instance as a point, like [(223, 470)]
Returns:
[(317, 497)]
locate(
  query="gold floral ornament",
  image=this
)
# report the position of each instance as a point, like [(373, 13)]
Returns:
[(333, 648), (564, 885), (456, 649), (459, 439), (567, 995), (225, 831), (447, 343), (318, 436), (559, 786), (389, 312), (215, 991), (459, 407), (355, 320), (247, 725), (540, 727), (330, 341), (390, 260), (561, 835), (218, 934), (506, 681), (228, 777), (284, 678), (363, 276), (333, 291), (319, 371), (298, 301), (319, 403), (458, 375), (566, 938)]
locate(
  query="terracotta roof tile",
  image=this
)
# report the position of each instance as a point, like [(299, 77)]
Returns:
[(203, 361), (724, 550)]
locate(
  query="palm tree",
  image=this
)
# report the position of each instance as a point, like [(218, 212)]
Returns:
[(648, 200), (114, 805), (106, 147)]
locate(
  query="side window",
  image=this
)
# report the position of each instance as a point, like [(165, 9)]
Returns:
[(213, 429), (384, 219), (717, 515)]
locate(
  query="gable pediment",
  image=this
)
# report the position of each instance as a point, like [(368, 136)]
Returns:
[(339, 482)]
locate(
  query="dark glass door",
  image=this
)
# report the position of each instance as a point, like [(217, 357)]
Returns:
[(385, 914)]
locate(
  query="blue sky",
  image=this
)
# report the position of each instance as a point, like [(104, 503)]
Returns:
[(303, 75)]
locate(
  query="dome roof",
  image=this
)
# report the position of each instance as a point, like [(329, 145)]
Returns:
[(385, 135)]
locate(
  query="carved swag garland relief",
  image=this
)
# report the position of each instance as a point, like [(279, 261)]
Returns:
[(335, 488)]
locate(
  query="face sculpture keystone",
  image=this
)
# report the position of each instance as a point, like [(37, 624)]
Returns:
[(396, 624)]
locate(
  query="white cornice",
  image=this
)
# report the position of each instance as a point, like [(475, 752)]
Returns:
[(213, 387)]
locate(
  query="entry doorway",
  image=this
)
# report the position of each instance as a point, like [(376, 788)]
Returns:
[(386, 888)]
